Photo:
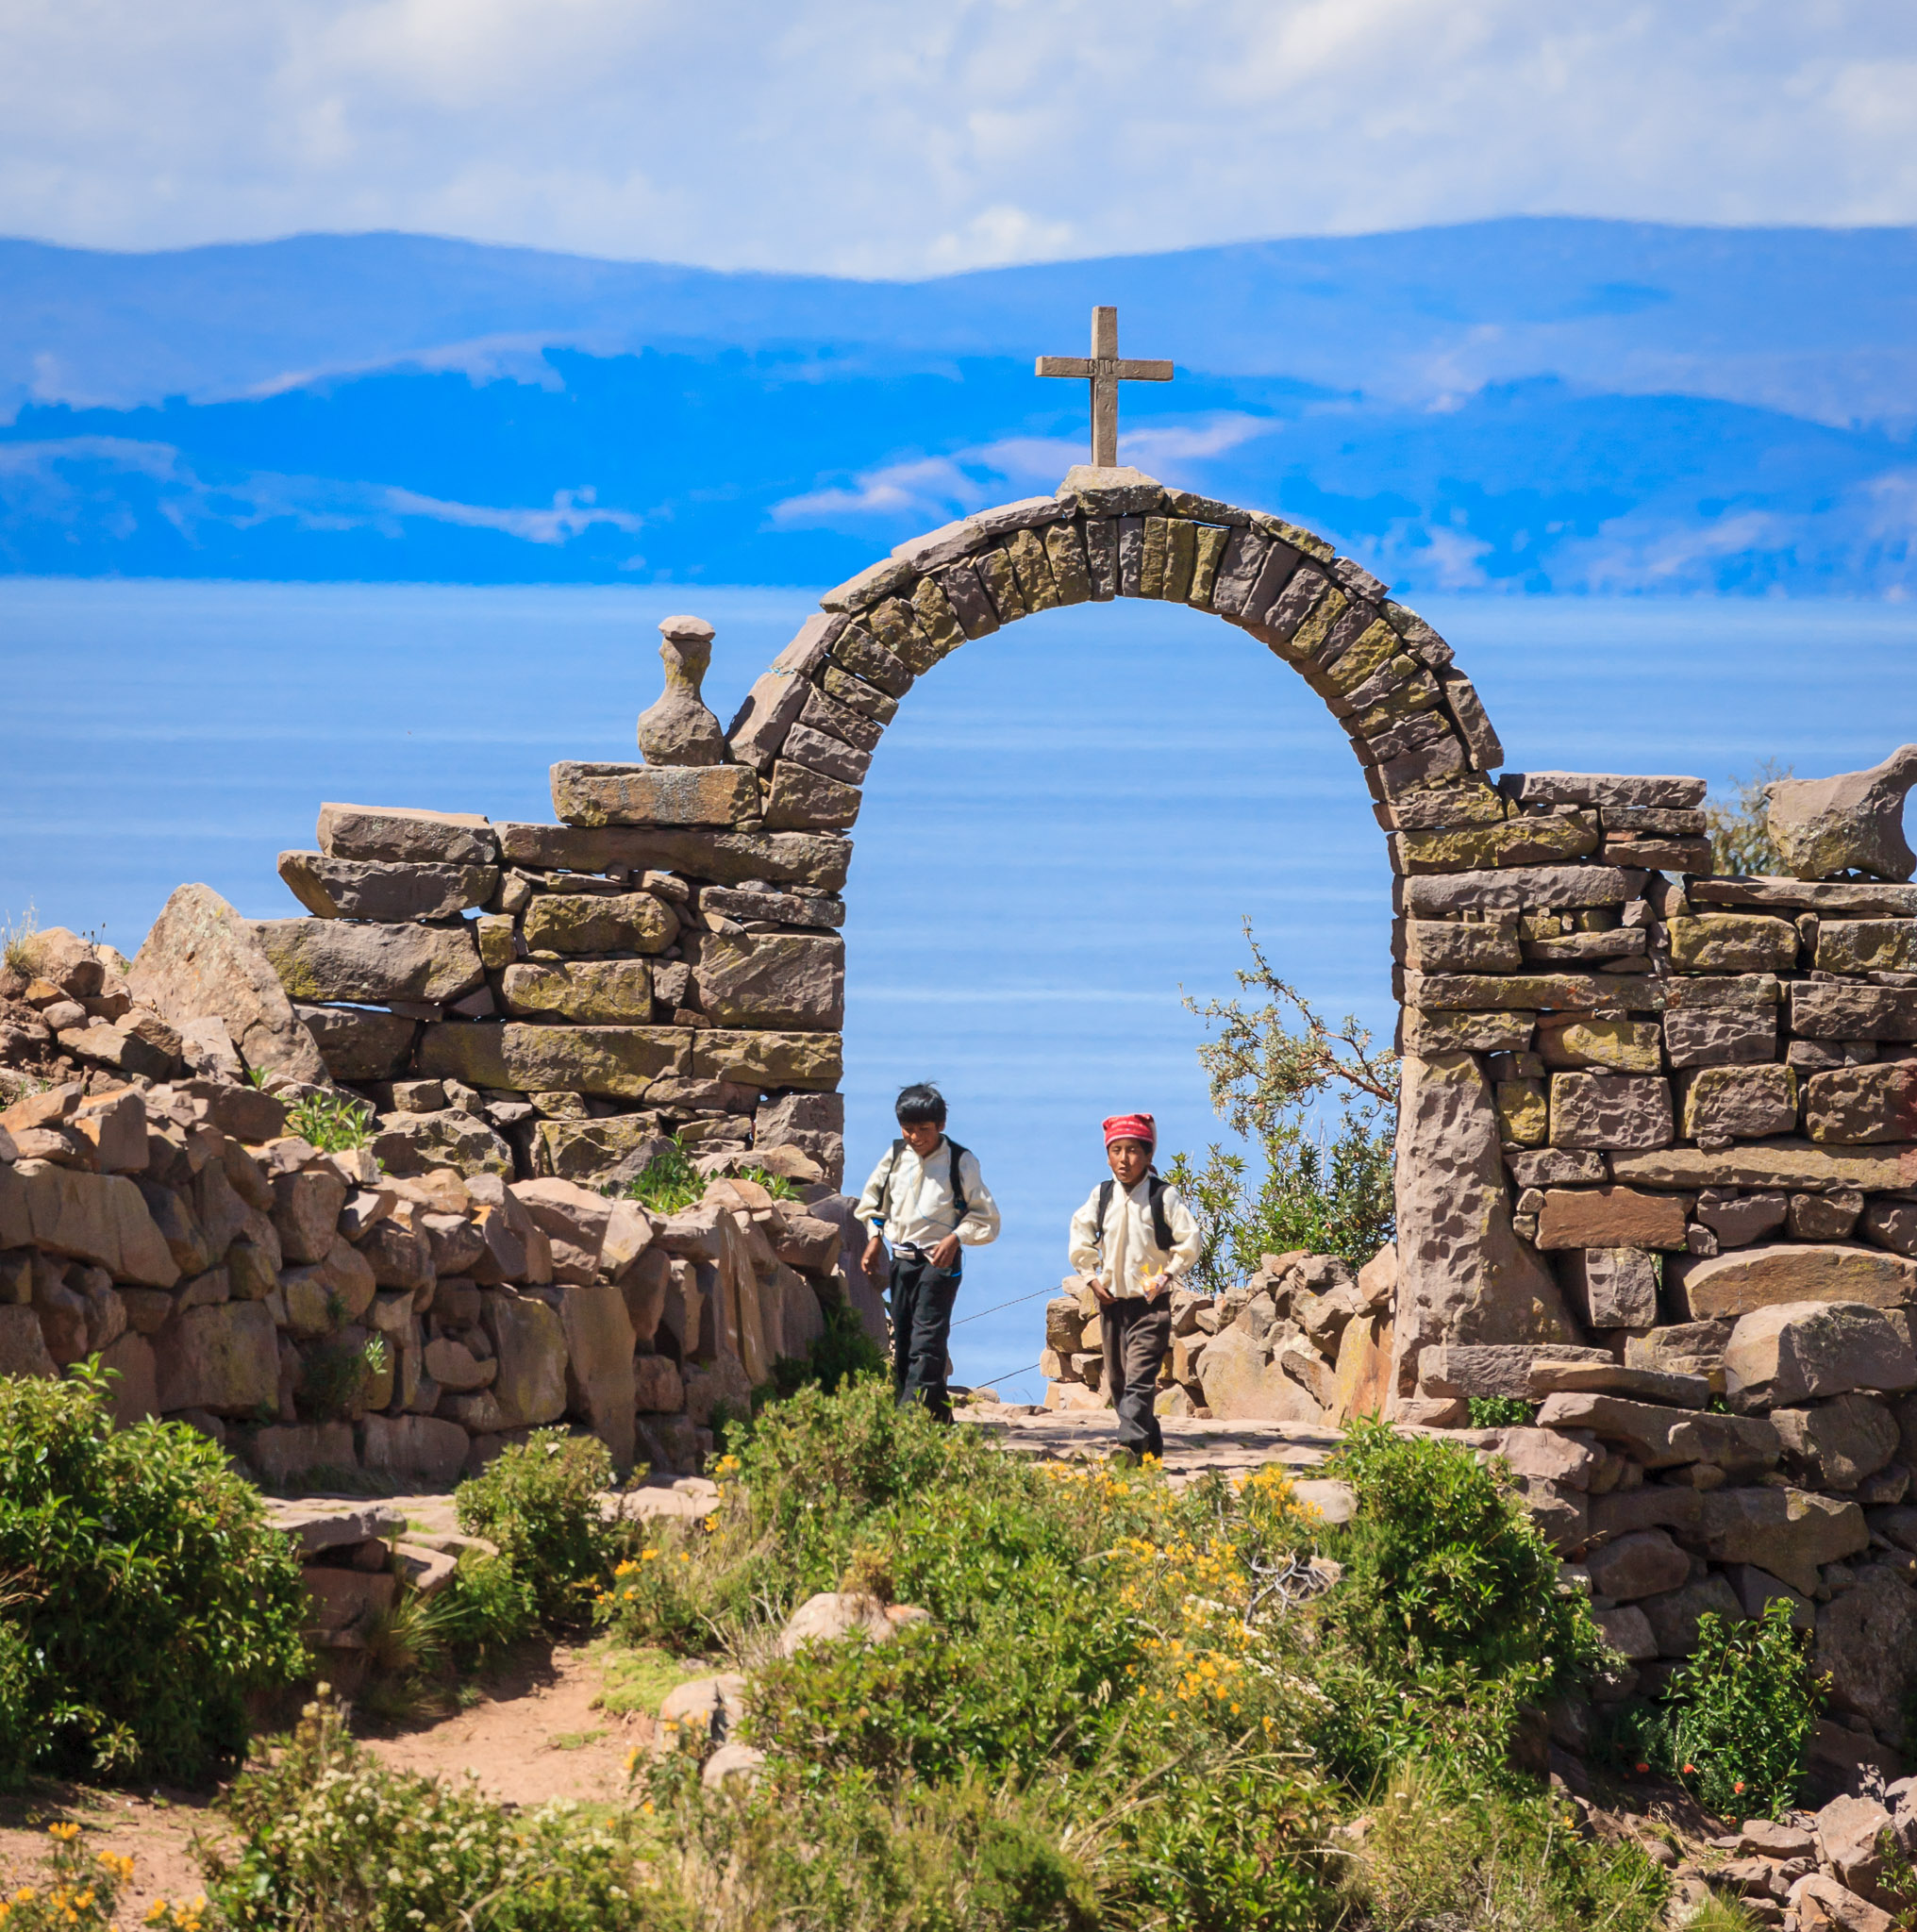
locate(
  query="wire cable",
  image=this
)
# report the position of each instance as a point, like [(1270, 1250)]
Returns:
[(1003, 1306)]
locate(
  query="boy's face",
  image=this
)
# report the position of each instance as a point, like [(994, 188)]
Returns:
[(922, 1136), (1129, 1159)]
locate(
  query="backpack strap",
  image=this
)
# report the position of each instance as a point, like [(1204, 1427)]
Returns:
[(1161, 1227), (960, 1204), (891, 1161)]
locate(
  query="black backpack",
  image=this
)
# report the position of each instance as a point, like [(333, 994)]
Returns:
[(1161, 1228), (958, 1201)]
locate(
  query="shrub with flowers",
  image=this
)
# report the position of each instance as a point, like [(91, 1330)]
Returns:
[(80, 1889)]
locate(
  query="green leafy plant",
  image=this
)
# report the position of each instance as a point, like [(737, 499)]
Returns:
[(1740, 842), (333, 1122), (539, 1502), (335, 1376), (78, 1891), (670, 1182), (1271, 1068), (1501, 1412), (1734, 1726), (329, 1837), (1449, 1616), (152, 1598)]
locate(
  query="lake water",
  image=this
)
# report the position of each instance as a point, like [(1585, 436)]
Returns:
[(1065, 828)]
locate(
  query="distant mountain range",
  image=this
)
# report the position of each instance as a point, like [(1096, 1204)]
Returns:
[(1537, 405)]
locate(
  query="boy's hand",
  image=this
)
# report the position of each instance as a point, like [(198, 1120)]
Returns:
[(1098, 1289), (874, 1254), (946, 1253)]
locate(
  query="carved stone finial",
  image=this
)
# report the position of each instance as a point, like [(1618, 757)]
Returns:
[(1852, 823), (679, 730)]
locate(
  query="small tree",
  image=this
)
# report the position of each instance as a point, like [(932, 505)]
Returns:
[(1740, 842), (1329, 1190)]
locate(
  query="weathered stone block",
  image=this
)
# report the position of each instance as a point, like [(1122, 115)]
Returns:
[(370, 889), (599, 1371), (766, 1059), (1624, 1111), (1523, 1113), (1790, 1532), (1466, 1369), (585, 989), (600, 922), (1442, 945), (1732, 942), (1867, 1643), (1740, 1103), (590, 1150), (1789, 1164), (102, 1219), (618, 795), (1836, 1444), (398, 832), (1612, 1287), (770, 979), (1674, 1616), (1609, 789), (1566, 993), (530, 1345), (1642, 1562), (728, 858), (1515, 842), (1428, 1033), (224, 1358), (1610, 1218), (415, 1143), (1860, 1105), (1764, 1277), (799, 799), (820, 752), (1721, 1035), (1542, 888), (1795, 1351), (1624, 1046), (328, 960), (618, 1061), (357, 1044), (1867, 946)]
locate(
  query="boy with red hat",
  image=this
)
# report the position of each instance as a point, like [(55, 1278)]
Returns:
[(1132, 1239)]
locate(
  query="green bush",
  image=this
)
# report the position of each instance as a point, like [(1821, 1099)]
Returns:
[(1501, 1412), (330, 1837), (669, 1181), (333, 1122), (1449, 1618), (150, 1596), (539, 1502), (1735, 1721)]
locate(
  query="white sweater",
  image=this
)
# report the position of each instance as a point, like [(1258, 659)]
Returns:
[(1131, 1261), (916, 1205)]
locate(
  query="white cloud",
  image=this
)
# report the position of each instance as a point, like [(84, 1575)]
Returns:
[(880, 138)]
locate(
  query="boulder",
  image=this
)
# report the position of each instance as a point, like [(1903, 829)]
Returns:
[(1612, 1287), (657, 1387), (1824, 1905), (1627, 1631), (768, 1057), (201, 959), (1574, 1218), (420, 1451), (1759, 1277), (223, 1359), (1867, 1642), (710, 1705), (832, 1615), (1241, 1384), (1674, 1616), (1852, 823), (574, 1220), (1758, 1589), (612, 1148), (530, 1343), (1491, 1369), (1643, 1563), (1848, 1830), (1661, 1437), (732, 1763), (282, 1454), (1463, 1274), (97, 1218), (22, 1345), (455, 1368), (602, 1388), (1796, 1351), (332, 962), (306, 1212), (1790, 1532), (1837, 1443)]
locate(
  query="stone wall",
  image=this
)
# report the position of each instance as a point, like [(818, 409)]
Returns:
[(320, 1313)]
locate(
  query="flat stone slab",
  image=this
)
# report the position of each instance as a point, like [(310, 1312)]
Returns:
[(1193, 1447), (324, 1522)]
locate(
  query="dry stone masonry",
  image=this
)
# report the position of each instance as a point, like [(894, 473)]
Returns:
[(1656, 1156)]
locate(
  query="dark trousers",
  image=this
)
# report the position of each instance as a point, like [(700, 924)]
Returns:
[(921, 1298), (1136, 1335)]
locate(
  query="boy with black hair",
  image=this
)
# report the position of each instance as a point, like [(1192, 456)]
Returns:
[(1132, 1239), (929, 1198)]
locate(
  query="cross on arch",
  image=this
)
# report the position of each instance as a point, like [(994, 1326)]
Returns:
[(1104, 370)]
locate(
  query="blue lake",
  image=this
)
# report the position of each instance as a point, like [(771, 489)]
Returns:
[(1065, 828)]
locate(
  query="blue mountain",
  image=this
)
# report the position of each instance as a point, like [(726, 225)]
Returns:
[(1536, 405)]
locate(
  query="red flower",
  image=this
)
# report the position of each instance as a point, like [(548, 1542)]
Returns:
[(1644, 1767), (1738, 1786), (1688, 1770)]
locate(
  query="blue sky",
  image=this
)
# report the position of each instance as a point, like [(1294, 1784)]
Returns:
[(876, 138)]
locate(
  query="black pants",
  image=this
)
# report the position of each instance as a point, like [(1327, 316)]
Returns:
[(921, 1298), (1136, 1335)]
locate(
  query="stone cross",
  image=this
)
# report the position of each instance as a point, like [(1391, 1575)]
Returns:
[(1105, 371)]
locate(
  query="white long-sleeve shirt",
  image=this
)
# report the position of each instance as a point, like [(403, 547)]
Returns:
[(915, 1203), (1130, 1262)]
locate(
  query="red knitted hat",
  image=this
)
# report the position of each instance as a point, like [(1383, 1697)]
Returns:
[(1132, 1127)]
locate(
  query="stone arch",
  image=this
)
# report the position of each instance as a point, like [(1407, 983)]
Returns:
[(810, 724)]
